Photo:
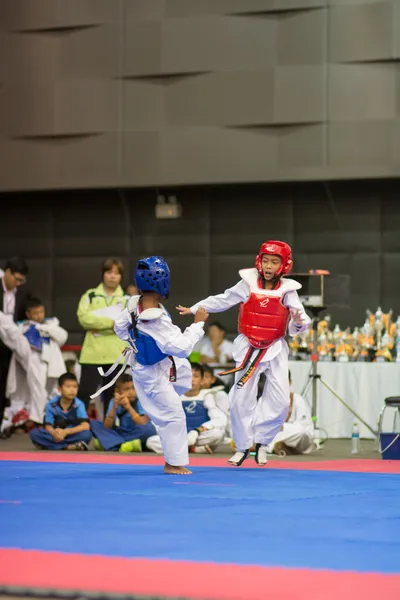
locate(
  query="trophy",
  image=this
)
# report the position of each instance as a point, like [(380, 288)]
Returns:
[(337, 334), (366, 337), (367, 329), (336, 338), (356, 340), (294, 345), (386, 347), (324, 348), (342, 352), (387, 320), (384, 342), (378, 327)]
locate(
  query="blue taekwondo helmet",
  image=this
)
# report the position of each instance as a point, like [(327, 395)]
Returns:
[(152, 275)]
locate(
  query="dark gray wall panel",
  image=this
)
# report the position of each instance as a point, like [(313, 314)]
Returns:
[(390, 266), (183, 8), (301, 146), (197, 91), (227, 98), (302, 38), (361, 143), (363, 92), (24, 15), (323, 224), (211, 44), (359, 32)]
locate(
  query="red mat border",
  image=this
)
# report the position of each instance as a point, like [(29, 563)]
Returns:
[(362, 465), (185, 579)]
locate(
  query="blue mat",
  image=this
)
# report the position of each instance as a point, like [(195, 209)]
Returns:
[(309, 519)]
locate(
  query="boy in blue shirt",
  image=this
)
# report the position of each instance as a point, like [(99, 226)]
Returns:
[(66, 421), (134, 427)]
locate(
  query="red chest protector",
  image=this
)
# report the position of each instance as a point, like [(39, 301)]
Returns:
[(263, 319)]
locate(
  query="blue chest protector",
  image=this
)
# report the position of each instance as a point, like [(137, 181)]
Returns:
[(34, 338), (148, 353), (196, 413)]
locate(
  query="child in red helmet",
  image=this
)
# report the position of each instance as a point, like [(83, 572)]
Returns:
[(269, 306)]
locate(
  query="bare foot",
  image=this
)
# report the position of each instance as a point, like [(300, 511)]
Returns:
[(170, 470)]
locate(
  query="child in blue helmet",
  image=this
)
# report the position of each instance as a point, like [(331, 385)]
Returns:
[(159, 351)]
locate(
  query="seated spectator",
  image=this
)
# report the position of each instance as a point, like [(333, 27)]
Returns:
[(211, 381), (66, 421), (296, 436), (217, 387), (205, 422), (134, 429), (35, 366), (214, 348)]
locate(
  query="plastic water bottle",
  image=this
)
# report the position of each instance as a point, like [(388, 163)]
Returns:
[(355, 439)]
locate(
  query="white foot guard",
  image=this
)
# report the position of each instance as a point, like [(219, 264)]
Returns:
[(238, 458), (261, 455)]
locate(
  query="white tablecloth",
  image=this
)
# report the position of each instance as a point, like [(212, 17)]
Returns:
[(363, 386)]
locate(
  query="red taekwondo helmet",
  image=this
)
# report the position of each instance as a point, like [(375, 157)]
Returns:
[(281, 249)]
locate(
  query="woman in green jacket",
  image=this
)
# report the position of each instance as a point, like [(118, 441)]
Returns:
[(97, 310)]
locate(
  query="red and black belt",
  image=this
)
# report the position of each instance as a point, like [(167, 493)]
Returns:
[(172, 370), (250, 363)]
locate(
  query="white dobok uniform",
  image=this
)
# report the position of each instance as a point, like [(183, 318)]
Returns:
[(222, 401), (298, 430), (32, 377), (158, 395), (252, 421), (200, 411)]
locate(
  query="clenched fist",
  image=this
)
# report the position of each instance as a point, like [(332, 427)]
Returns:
[(201, 315)]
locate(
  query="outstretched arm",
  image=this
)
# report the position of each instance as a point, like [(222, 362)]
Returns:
[(216, 304), (169, 337)]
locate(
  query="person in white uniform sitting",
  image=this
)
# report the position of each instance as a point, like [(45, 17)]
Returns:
[(296, 435), (216, 386)]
